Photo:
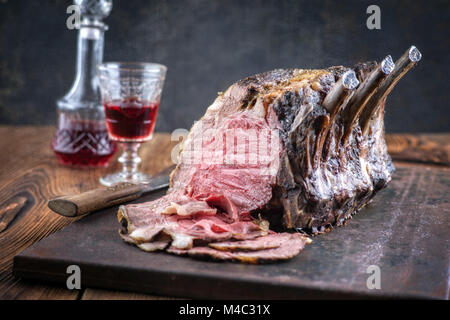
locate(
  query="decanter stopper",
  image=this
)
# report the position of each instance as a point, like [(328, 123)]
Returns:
[(94, 10)]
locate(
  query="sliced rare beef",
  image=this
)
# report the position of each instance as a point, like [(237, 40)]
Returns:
[(147, 223), (280, 246), (291, 148)]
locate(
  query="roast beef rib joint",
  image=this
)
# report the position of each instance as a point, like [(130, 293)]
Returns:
[(279, 152)]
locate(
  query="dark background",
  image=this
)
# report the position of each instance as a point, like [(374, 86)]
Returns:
[(209, 44)]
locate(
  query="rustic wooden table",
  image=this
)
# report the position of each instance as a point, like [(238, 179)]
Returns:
[(30, 175)]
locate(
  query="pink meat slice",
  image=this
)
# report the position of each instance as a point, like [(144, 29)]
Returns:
[(234, 168), (145, 223), (289, 246), (270, 241)]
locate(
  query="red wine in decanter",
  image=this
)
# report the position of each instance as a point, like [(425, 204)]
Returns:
[(83, 143)]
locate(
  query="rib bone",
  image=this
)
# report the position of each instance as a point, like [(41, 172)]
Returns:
[(334, 102), (340, 91), (407, 61), (363, 94)]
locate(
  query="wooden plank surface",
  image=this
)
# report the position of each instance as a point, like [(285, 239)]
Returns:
[(426, 148), (30, 171), (99, 294)]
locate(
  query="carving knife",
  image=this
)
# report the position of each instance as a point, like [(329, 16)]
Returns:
[(93, 200)]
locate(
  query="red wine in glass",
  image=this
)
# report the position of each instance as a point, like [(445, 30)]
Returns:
[(131, 92), (131, 119), (83, 143)]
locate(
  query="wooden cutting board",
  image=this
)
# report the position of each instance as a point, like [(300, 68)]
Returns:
[(405, 232)]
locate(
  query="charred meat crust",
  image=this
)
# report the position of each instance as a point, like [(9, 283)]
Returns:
[(298, 181)]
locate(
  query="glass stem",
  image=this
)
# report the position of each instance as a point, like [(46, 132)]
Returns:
[(130, 159)]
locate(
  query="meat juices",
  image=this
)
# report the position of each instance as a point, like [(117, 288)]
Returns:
[(282, 148)]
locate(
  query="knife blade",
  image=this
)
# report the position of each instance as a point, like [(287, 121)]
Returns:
[(94, 200)]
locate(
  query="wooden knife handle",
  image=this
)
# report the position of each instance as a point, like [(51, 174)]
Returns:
[(86, 202)]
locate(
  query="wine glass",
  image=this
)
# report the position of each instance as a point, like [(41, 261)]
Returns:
[(131, 92)]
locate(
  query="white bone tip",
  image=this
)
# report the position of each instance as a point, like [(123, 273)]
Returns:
[(349, 80), (414, 54), (387, 65)]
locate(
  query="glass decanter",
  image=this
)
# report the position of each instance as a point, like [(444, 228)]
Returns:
[(81, 138)]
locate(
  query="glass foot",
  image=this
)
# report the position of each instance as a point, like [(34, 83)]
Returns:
[(120, 177)]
